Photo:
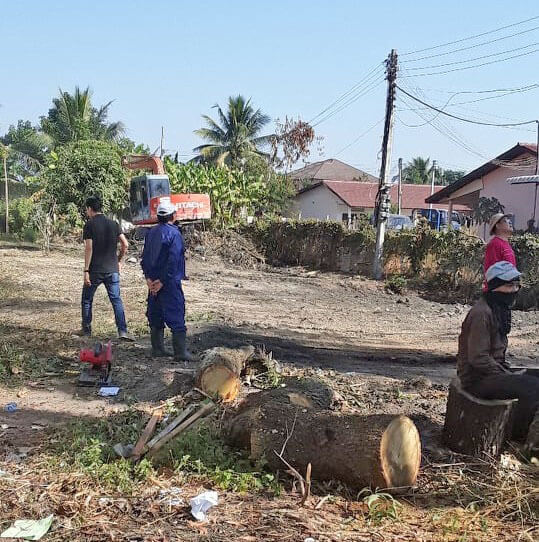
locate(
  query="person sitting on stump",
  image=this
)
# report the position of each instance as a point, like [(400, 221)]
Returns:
[(163, 264), (481, 364)]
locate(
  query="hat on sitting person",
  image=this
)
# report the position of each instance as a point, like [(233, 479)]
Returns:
[(494, 219), (165, 208), (501, 273)]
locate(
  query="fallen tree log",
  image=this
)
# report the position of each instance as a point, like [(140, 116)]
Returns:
[(220, 371), (380, 451), (305, 393)]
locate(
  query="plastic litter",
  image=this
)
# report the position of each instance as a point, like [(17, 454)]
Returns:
[(202, 503), (29, 529), (309, 539), (10, 407), (109, 391), (171, 496)]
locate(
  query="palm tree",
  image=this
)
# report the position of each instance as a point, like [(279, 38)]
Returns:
[(235, 137), (73, 118), (418, 171), (21, 149)]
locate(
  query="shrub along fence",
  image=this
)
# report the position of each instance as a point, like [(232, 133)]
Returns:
[(445, 265)]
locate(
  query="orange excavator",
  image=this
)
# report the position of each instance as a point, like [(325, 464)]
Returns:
[(148, 190)]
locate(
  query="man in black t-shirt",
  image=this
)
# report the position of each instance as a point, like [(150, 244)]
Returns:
[(102, 264)]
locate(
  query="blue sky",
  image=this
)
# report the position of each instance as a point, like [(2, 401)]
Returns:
[(167, 62)]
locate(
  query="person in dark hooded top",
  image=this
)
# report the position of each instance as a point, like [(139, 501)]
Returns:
[(481, 364)]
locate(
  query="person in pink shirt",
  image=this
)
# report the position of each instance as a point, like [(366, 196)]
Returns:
[(498, 248)]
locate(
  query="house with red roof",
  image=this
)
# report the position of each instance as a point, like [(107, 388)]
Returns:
[(345, 200), (491, 180)]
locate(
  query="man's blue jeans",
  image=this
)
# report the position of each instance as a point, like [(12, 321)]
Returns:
[(112, 284)]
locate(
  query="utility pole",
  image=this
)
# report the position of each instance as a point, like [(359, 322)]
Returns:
[(432, 181), (399, 192), (4, 156), (382, 197), (162, 152)]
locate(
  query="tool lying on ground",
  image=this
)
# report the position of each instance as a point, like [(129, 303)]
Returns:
[(99, 358), (186, 419)]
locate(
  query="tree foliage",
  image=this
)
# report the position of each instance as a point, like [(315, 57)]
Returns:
[(74, 118), (235, 136), (291, 141), (27, 147), (231, 191), (83, 168), (418, 171)]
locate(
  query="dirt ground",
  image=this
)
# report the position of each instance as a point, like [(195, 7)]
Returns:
[(383, 353)]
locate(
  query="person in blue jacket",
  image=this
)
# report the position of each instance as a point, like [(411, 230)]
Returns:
[(163, 265)]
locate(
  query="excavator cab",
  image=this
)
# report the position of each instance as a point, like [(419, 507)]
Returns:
[(148, 190), (143, 190)]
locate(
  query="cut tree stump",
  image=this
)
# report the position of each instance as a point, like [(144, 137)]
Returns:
[(220, 371), (476, 426), (380, 451)]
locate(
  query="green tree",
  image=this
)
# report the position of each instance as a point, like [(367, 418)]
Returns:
[(83, 168), (450, 176), (484, 209), (28, 148), (74, 118), (418, 171), (235, 137), (18, 148)]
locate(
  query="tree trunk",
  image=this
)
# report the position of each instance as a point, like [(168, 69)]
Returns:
[(475, 426), (220, 371), (381, 451), (304, 393), (6, 193)]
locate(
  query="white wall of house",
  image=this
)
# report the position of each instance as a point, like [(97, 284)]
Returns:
[(517, 199), (320, 203)]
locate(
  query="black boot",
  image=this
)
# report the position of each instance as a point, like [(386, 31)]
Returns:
[(180, 350), (158, 343)]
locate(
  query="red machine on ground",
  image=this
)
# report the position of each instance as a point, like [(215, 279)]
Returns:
[(148, 190), (99, 358)]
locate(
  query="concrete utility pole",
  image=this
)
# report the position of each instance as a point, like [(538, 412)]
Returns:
[(399, 193), (432, 180), (382, 198)]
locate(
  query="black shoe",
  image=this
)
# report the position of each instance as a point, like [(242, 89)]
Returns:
[(158, 343), (179, 344)]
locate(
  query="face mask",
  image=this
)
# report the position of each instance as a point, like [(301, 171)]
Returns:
[(504, 299)]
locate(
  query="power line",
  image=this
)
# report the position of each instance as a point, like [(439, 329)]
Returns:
[(470, 46), (472, 59), (489, 91), (462, 118), (509, 92), (350, 101), (350, 91), (360, 136), (476, 66), (470, 37)]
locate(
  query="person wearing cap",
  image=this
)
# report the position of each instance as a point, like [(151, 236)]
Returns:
[(498, 248), (163, 265), (481, 364)]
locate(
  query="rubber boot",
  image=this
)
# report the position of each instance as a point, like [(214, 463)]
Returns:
[(180, 349), (532, 442), (158, 343)]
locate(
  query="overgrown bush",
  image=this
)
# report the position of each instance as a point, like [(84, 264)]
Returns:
[(20, 217), (448, 265)]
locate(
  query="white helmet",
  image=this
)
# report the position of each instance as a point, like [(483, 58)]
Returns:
[(165, 208)]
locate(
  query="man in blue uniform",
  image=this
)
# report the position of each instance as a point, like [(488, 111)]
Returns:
[(163, 265)]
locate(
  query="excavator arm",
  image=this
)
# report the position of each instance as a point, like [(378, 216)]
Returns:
[(144, 161)]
